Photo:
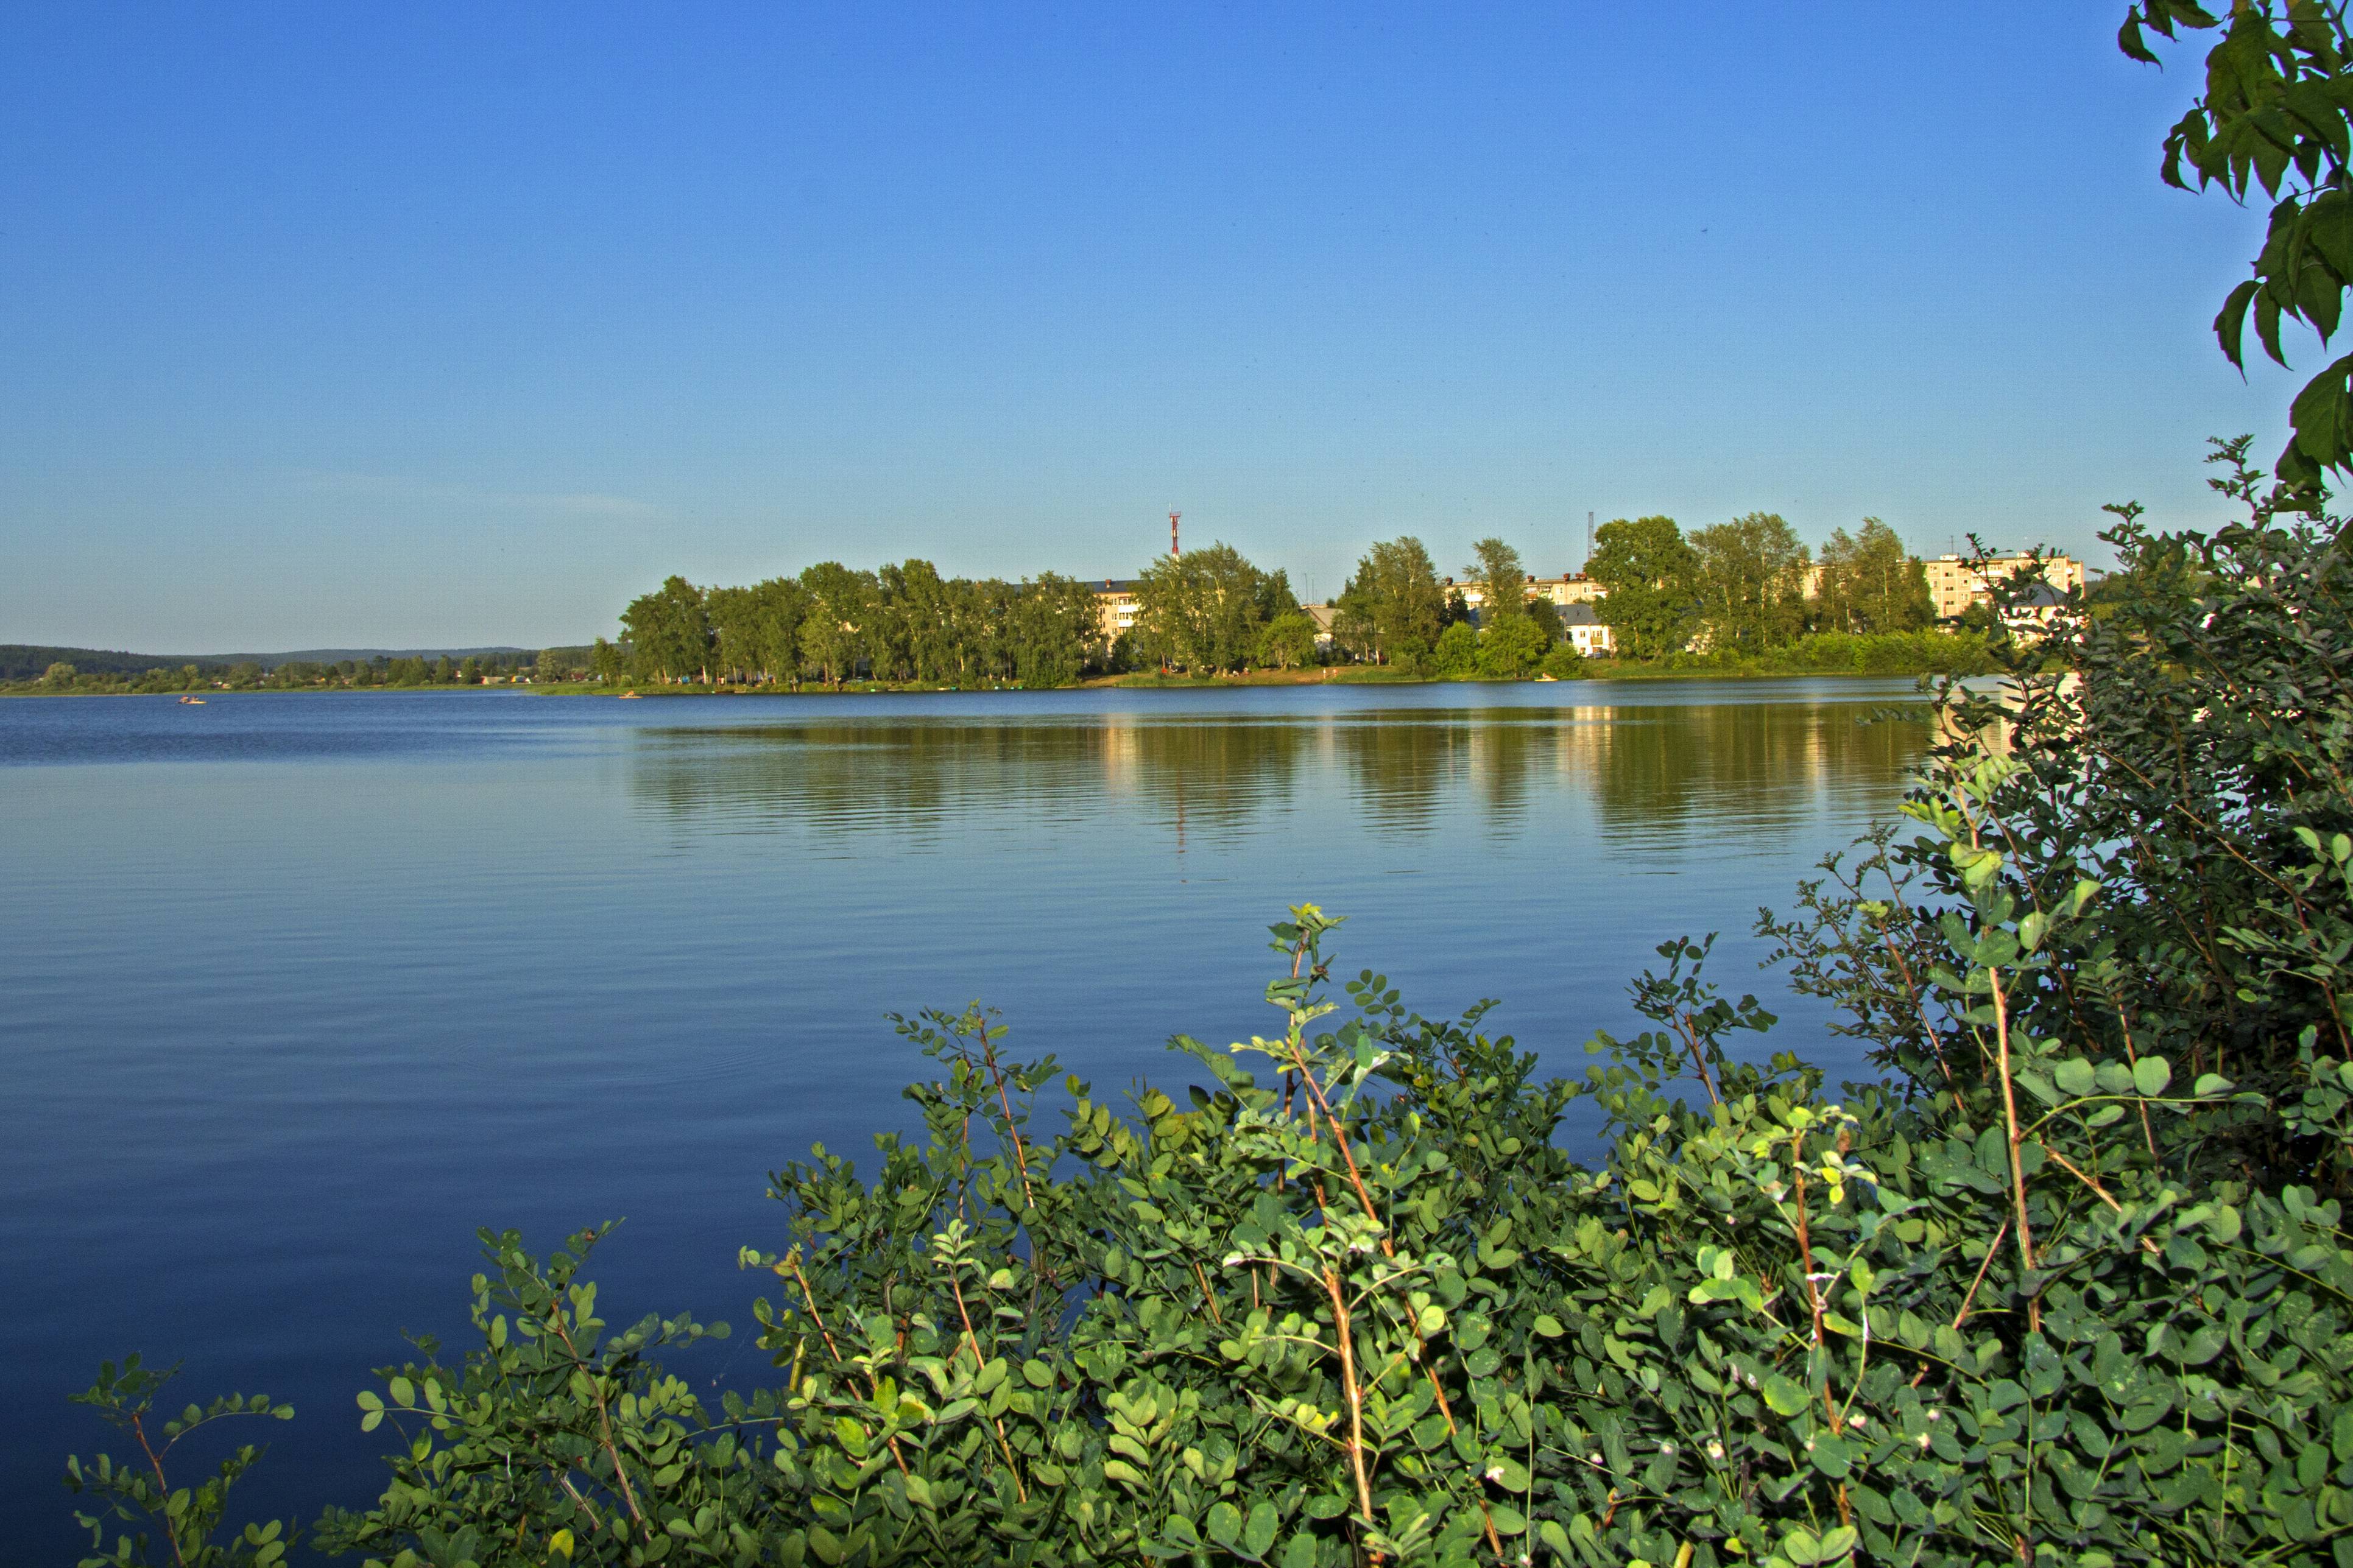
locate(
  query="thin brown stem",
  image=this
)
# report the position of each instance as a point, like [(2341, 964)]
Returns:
[(1012, 1130), (1347, 1156), (1355, 1395), (1208, 1297), (162, 1487), (1012, 1465), (2098, 1191), (1969, 1297), (605, 1425), (2010, 1117), (793, 1262), (2124, 1022), (1805, 1237), (1699, 1059)]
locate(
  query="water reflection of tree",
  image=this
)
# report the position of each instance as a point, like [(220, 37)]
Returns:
[(1211, 774), (1652, 773), (916, 777), (1662, 771), (1401, 762)]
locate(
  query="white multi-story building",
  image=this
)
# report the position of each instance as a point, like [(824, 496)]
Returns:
[(1562, 591), (1956, 582), (1115, 606)]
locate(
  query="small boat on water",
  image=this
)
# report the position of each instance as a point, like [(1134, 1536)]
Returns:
[(196, 701), (627, 695)]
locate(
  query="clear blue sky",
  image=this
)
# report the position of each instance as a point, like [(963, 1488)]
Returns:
[(437, 324)]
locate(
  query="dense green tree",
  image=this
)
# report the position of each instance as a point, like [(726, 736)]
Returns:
[(1870, 583), (1275, 596), (918, 630), (1648, 568), (1202, 610), (1510, 645), (1055, 633), (668, 631), (1502, 580), (1288, 642), (833, 635), (1546, 615), (1392, 598), (1749, 576), (755, 631), (1563, 662), (58, 674), (1457, 653)]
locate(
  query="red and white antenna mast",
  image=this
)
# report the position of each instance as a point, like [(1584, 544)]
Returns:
[(1172, 530)]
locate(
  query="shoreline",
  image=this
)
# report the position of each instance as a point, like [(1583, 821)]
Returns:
[(1101, 683)]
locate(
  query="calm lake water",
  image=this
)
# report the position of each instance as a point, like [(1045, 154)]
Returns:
[(296, 992)]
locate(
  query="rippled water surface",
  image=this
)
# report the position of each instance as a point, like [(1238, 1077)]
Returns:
[(295, 992)]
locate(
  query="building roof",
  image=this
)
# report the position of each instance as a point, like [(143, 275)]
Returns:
[(1579, 615), (1114, 584)]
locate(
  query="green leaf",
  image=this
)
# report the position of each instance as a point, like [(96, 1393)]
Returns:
[(1258, 1533), (2268, 325), (2323, 416), (1223, 1525), (2075, 1076), (2151, 1075), (1785, 1396)]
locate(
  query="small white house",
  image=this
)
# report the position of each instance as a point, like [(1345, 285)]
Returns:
[(1587, 633)]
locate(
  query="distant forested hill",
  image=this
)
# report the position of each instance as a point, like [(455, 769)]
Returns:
[(25, 662)]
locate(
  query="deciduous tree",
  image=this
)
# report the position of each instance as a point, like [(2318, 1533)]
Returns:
[(1648, 568), (1393, 598), (1749, 575)]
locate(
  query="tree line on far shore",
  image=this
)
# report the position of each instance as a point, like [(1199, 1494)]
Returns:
[(1739, 589), (1745, 592)]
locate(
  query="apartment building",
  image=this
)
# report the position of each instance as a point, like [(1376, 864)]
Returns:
[(1115, 606), (1956, 582), (1562, 591)]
